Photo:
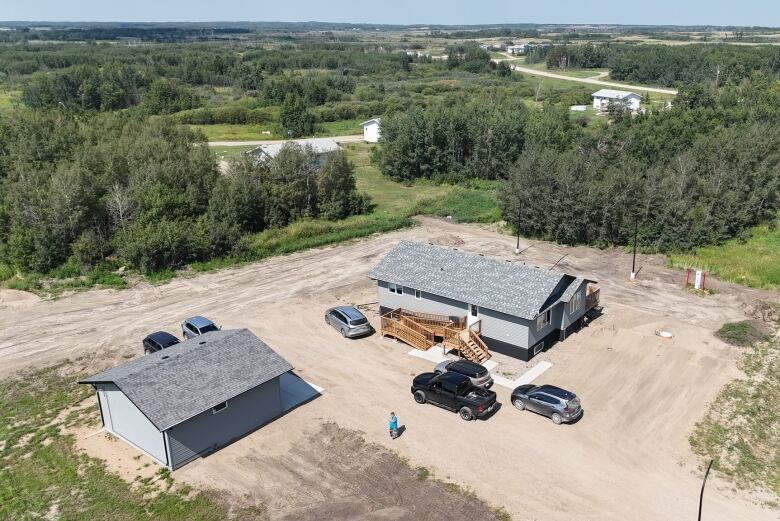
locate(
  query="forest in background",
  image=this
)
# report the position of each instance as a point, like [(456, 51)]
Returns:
[(74, 114)]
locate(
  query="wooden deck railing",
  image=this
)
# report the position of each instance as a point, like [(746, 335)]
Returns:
[(592, 299), (404, 333)]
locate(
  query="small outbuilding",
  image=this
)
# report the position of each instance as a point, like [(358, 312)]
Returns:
[(371, 130), (192, 398), (606, 97), (515, 309)]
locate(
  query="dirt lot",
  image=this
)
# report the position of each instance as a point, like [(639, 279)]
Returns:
[(628, 458)]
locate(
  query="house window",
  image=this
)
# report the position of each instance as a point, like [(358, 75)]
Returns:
[(575, 302), (543, 319), (474, 310), (219, 407), (418, 294), (395, 288)]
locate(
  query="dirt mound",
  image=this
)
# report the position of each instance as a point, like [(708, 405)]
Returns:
[(763, 311), (447, 239)]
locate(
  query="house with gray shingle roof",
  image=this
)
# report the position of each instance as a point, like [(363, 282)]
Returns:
[(522, 309), (194, 397)]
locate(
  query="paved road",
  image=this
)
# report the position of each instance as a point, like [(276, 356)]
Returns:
[(338, 139), (593, 81)]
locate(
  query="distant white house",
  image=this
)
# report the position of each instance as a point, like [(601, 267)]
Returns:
[(371, 130), (605, 97)]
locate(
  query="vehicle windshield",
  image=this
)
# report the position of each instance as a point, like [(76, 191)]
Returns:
[(358, 321), (210, 327)]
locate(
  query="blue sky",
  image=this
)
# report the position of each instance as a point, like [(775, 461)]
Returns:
[(678, 12)]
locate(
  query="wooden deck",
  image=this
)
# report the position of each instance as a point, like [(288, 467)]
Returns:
[(421, 331)]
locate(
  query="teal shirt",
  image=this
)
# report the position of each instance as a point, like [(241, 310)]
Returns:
[(393, 423)]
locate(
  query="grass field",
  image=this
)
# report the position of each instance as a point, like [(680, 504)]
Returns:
[(228, 152), (227, 132), (754, 262)]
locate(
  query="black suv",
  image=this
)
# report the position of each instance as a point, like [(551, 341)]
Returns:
[(454, 392), (158, 341)]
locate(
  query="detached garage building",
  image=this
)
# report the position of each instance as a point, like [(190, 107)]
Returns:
[(192, 398)]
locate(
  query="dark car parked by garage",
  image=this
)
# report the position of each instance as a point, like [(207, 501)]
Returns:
[(349, 321), (158, 341), (560, 405)]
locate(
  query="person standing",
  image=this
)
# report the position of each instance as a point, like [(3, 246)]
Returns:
[(393, 426)]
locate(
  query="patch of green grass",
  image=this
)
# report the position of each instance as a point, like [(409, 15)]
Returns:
[(345, 127), (224, 153), (422, 473), (160, 277), (741, 430), (740, 333), (228, 132), (753, 262), (463, 205), (43, 474)]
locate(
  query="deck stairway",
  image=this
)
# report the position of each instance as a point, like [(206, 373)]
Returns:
[(421, 331)]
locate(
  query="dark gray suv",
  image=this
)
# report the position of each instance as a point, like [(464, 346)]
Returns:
[(348, 321), (557, 404)]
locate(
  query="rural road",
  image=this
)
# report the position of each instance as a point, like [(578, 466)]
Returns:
[(592, 81), (356, 138)]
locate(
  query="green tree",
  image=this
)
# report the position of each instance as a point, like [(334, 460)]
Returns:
[(294, 118)]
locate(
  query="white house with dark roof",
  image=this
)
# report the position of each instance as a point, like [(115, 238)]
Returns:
[(192, 398), (605, 97), (522, 309)]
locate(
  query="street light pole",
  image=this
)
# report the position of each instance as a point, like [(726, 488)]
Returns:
[(633, 261), (701, 496)]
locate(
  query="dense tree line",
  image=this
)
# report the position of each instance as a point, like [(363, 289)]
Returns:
[(664, 64), (695, 175), (80, 189), (459, 139)]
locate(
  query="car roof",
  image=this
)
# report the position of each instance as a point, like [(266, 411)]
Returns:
[(555, 391), (455, 378), (199, 321), (350, 312), (468, 364), (162, 337)]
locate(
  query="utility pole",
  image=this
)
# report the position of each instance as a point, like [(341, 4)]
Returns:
[(633, 261), (517, 247), (704, 482)]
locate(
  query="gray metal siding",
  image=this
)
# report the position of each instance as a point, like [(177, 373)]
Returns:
[(208, 431), (428, 303), (570, 317), (504, 328), (123, 418)]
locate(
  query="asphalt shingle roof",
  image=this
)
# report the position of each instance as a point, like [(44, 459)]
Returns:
[(182, 381), (613, 94), (318, 146), (508, 287)]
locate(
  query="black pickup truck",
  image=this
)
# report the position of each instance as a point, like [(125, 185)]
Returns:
[(453, 391)]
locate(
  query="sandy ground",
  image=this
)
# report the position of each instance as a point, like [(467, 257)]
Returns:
[(628, 458)]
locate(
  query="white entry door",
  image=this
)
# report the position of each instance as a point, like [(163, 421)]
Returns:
[(473, 314)]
